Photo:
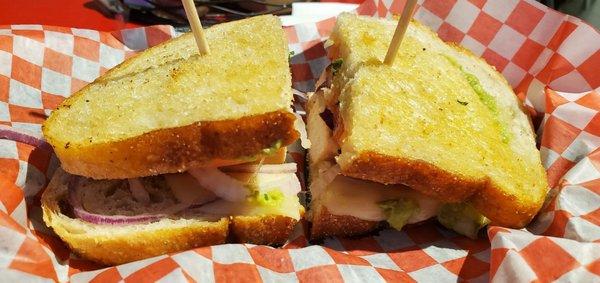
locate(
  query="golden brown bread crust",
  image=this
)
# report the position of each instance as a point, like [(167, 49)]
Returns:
[(492, 203), (262, 230), (325, 224), (444, 186), (177, 149), (119, 250), (418, 175)]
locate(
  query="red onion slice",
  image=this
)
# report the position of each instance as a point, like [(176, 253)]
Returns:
[(221, 184), (264, 168), (115, 219), (10, 133), (221, 207)]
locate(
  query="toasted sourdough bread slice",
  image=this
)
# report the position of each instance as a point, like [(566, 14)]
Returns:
[(167, 110), (346, 206), (112, 245), (440, 120)]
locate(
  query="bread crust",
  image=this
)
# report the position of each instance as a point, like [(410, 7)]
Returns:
[(494, 204), (485, 196), (213, 143), (262, 230), (123, 249), (419, 175), (325, 224), (113, 245)]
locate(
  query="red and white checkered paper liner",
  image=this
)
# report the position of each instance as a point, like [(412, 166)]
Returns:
[(533, 46)]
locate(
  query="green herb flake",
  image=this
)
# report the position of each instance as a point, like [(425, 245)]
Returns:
[(485, 98), (336, 65), (273, 197)]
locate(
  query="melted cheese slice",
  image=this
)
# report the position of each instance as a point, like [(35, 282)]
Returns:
[(358, 198)]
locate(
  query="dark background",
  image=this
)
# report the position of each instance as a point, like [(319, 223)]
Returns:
[(90, 14)]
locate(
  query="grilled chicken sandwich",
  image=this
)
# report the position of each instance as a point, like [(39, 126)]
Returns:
[(439, 134), (173, 150)]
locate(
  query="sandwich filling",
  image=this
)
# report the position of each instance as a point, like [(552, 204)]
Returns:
[(200, 193)]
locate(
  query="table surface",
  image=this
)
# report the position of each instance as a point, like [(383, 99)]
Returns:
[(66, 13)]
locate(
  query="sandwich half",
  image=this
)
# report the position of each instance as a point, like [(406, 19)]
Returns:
[(438, 134), (173, 150)]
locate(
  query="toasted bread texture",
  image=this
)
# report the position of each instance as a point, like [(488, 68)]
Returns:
[(170, 108), (214, 143), (112, 244), (262, 230), (439, 120), (324, 224)]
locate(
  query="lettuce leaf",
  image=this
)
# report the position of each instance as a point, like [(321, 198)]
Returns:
[(462, 218), (398, 211)]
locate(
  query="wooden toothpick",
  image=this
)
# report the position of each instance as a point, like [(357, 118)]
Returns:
[(409, 7), (192, 15)]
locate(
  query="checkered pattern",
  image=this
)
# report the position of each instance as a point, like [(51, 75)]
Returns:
[(534, 47), (570, 142), (519, 256), (570, 131), (310, 58), (389, 256)]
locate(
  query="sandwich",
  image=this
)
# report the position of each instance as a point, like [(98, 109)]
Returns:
[(437, 134), (173, 150)]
